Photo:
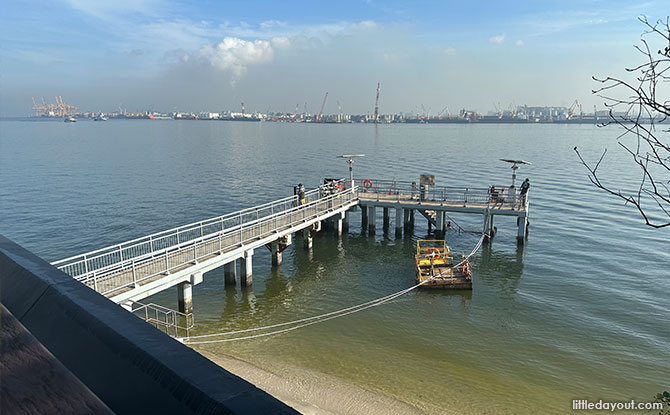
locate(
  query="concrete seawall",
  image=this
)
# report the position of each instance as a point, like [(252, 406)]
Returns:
[(131, 366)]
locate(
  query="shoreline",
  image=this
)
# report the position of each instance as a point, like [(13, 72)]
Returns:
[(313, 393)]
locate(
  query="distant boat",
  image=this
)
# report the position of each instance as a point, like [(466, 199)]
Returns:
[(100, 118), (70, 119)]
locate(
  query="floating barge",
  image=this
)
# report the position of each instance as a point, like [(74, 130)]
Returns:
[(434, 259)]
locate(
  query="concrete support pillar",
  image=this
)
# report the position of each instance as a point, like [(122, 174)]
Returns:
[(345, 222), (230, 273), (246, 268), (364, 217), (387, 218), (276, 254), (411, 217), (185, 297), (521, 235), (372, 219), (398, 222), (307, 239), (338, 223), (406, 218), (439, 223)]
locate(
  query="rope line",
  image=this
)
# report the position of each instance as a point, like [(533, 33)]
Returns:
[(308, 321)]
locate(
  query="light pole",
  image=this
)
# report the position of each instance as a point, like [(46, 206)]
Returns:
[(515, 167), (350, 160)]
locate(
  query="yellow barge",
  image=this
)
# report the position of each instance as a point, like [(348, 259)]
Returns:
[(434, 259)]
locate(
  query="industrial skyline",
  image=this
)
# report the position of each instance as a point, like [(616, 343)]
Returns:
[(169, 56)]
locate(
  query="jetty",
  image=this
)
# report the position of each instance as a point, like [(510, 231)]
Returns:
[(128, 272)]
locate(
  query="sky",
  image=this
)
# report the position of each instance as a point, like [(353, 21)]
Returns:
[(165, 55)]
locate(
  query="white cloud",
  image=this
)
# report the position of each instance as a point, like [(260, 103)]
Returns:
[(499, 39), (519, 42), (281, 42), (234, 55)]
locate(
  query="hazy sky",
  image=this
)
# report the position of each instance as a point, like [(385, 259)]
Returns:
[(210, 55)]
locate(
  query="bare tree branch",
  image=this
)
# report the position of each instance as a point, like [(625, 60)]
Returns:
[(636, 107)]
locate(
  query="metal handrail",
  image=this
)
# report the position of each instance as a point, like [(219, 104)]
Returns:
[(141, 247), (164, 261), (396, 189), (164, 318)]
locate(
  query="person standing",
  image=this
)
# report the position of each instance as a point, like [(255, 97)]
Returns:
[(301, 194), (524, 190)]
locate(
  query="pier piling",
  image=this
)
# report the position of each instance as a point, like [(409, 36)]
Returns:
[(307, 238), (276, 253), (230, 273), (521, 235), (398, 222), (387, 218), (439, 223), (372, 219), (185, 297)]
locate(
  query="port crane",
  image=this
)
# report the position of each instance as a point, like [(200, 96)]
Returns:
[(323, 104), (377, 104), (446, 108), (515, 166), (572, 108)]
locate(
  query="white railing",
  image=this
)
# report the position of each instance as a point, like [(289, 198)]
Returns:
[(89, 262), (389, 190), (112, 277)]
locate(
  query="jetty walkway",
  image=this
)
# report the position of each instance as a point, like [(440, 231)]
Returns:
[(128, 272)]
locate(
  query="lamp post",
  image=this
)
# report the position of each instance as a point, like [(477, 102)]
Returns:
[(350, 160)]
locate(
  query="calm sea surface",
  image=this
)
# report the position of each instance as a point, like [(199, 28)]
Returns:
[(582, 311)]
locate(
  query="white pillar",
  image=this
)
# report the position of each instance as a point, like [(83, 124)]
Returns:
[(307, 239), (337, 223), (439, 222), (185, 297), (246, 268), (230, 273)]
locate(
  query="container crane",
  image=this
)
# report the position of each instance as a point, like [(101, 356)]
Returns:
[(571, 110), (323, 104), (439, 114), (377, 104)]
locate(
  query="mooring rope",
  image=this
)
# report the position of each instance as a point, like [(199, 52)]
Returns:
[(308, 321)]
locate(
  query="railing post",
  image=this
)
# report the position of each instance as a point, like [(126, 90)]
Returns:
[(167, 264), (240, 227), (195, 251), (120, 253), (151, 243), (201, 229), (134, 276), (95, 282), (85, 265)]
